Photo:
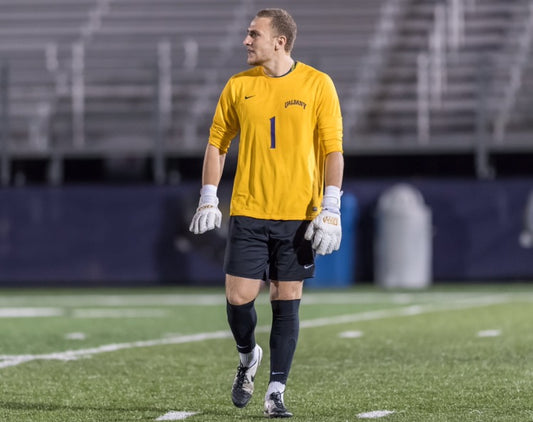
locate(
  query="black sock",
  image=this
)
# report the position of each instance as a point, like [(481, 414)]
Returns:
[(283, 338), (242, 321)]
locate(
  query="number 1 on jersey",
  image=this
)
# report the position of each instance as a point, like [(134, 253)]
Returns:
[(272, 132)]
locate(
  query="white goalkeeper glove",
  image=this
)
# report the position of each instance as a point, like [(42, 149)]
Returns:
[(207, 216), (325, 231)]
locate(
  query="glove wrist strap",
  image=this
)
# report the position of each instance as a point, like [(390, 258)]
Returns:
[(209, 190), (332, 199), (208, 195)]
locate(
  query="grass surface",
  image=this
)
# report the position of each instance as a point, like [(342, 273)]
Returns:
[(445, 354)]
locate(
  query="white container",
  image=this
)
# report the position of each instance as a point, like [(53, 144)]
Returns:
[(403, 239)]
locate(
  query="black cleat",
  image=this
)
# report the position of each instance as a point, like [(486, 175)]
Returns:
[(243, 384), (274, 407)]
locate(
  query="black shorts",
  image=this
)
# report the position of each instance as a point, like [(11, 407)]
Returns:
[(268, 249)]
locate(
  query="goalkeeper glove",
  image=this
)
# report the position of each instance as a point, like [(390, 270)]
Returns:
[(325, 231), (207, 216)]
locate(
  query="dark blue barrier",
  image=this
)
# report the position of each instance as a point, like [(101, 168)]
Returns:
[(139, 235), (104, 235)]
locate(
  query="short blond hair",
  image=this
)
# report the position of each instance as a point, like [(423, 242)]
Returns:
[(283, 23)]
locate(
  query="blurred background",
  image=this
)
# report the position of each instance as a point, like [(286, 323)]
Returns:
[(105, 108)]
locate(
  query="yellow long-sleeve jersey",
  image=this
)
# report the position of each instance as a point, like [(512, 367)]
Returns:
[(287, 127)]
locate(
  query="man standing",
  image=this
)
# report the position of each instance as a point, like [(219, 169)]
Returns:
[(286, 193)]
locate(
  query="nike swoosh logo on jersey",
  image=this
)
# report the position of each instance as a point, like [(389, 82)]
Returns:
[(248, 96), (308, 266)]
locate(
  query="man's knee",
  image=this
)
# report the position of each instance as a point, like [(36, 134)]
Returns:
[(240, 291)]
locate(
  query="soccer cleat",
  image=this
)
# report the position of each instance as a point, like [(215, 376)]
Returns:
[(243, 384), (274, 407)]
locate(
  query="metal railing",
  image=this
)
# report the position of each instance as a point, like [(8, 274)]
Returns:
[(373, 64), (163, 108), (63, 73), (518, 65), (444, 40), (78, 94), (4, 124), (202, 104)]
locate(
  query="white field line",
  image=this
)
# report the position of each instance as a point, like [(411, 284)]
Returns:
[(84, 313), (217, 299), (119, 313), (175, 416), (75, 336), (351, 334), (27, 312), (405, 311), (489, 333), (375, 414), (13, 360)]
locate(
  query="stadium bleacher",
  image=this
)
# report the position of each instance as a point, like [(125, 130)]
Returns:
[(34, 39), (97, 77)]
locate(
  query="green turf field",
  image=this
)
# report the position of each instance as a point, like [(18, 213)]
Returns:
[(445, 354)]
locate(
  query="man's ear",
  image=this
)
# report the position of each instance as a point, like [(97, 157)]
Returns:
[(280, 42)]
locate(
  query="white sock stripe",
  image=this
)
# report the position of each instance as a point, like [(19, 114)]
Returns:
[(275, 387)]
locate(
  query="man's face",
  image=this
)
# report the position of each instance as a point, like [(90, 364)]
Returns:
[(260, 42)]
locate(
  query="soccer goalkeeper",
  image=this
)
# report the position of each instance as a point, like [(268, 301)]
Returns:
[(286, 194)]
